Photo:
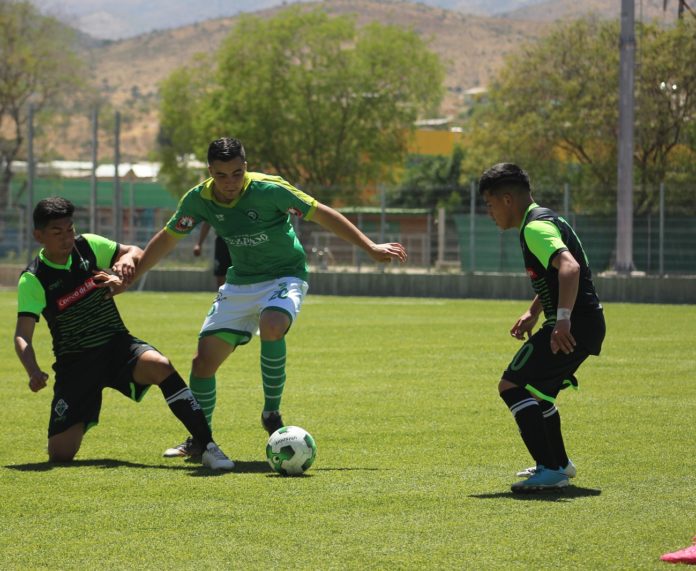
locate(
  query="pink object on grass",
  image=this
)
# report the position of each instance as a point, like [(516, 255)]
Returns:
[(686, 555)]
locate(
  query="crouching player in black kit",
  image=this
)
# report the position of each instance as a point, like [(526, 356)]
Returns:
[(93, 349), (572, 330)]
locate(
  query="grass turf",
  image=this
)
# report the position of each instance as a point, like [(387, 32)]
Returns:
[(416, 450)]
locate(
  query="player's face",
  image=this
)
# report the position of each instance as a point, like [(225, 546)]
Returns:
[(228, 177), (58, 239), (500, 209)]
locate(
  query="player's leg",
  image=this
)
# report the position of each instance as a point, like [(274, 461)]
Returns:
[(76, 403), (280, 307), (153, 368), (63, 446), (525, 383), (273, 325), (211, 352), (527, 414)]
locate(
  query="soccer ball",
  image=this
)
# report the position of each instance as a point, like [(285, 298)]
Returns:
[(291, 451)]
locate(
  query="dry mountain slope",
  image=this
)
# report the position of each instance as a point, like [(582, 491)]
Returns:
[(129, 71)]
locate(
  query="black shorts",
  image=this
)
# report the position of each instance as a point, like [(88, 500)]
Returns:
[(222, 259), (81, 378), (535, 368)]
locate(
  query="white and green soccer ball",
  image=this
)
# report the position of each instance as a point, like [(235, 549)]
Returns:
[(291, 450)]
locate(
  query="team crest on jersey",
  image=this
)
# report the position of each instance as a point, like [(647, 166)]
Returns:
[(253, 215), (531, 273), (184, 224), (61, 407), (295, 212), (220, 217)]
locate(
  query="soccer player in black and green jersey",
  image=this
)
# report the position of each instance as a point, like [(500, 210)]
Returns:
[(267, 280), (93, 349), (573, 328)]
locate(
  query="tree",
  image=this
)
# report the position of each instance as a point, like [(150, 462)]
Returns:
[(315, 99), (554, 109), (431, 181), (41, 66)]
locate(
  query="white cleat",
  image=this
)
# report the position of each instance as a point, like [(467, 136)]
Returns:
[(570, 470), (215, 459)]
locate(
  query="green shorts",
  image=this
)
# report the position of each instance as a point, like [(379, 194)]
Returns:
[(81, 378)]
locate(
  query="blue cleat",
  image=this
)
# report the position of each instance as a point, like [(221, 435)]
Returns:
[(570, 470), (543, 479)]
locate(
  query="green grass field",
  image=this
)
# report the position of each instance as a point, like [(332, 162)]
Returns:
[(416, 450)]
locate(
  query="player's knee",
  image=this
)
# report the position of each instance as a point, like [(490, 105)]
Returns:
[(62, 452), (273, 325), (505, 385), (153, 368), (201, 367)]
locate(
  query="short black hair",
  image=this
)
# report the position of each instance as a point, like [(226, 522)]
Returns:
[(506, 176), (52, 208), (225, 150)]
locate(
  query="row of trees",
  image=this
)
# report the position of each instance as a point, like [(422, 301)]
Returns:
[(316, 99), (40, 66), (554, 108), (330, 105)]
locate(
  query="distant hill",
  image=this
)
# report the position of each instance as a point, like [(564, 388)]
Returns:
[(552, 10), (129, 71), (472, 47)]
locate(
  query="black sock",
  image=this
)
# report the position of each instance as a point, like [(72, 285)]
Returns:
[(186, 408), (552, 424), (527, 413)]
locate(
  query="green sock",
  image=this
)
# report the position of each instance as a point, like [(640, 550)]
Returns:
[(204, 391), (273, 373)]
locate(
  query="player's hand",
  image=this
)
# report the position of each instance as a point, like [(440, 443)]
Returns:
[(388, 252), (37, 381), (125, 269), (111, 282), (561, 338), (197, 250), (524, 325)]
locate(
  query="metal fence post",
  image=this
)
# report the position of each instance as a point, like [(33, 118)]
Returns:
[(117, 181), (662, 230), (30, 181), (441, 236), (472, 228), (93, 186)]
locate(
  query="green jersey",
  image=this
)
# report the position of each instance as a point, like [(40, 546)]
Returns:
[(78, 313), (255, 227)]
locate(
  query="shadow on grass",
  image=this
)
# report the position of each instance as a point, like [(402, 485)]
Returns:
[(563, 495), (346, 469), (194, 469)]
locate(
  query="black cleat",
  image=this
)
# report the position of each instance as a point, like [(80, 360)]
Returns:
[(272, 422), (188, 447)]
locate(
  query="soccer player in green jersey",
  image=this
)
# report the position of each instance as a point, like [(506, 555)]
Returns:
[(93, 349), (267, 280), (573, 328)]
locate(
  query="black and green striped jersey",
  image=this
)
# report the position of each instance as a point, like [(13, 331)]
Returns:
[(255, 227), (543, 235), (78, 313)]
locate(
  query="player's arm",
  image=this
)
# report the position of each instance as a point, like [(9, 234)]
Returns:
[(202, 235), (335, 222), (127, 259), (24, 334), (157, 248), (568, 283), (527, 320)]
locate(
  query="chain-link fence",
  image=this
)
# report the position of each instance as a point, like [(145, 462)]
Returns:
[(436, 240)]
